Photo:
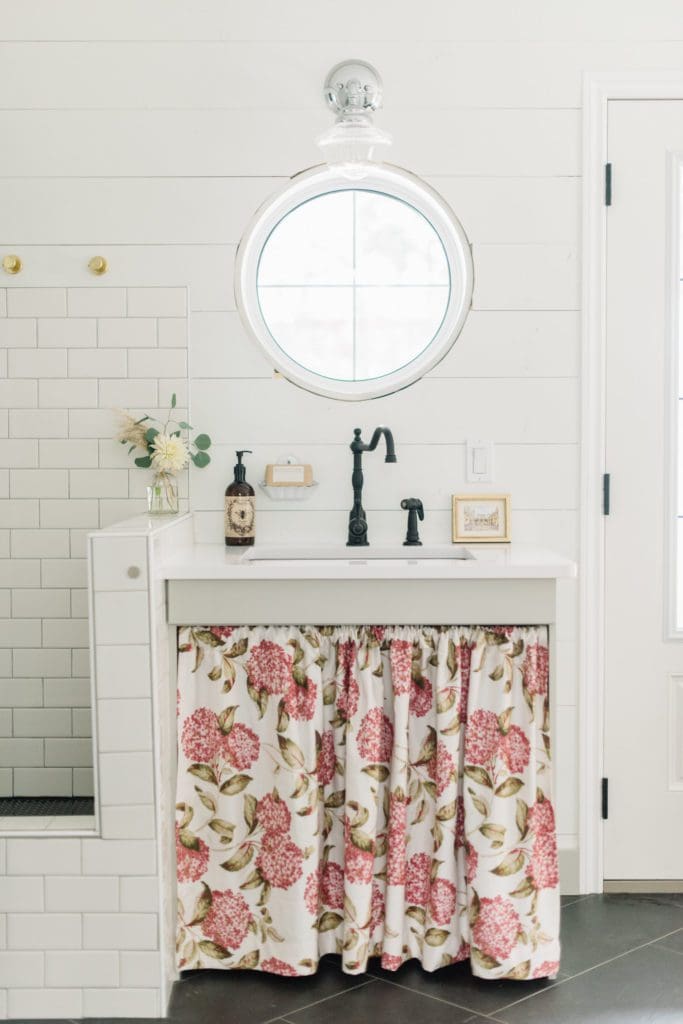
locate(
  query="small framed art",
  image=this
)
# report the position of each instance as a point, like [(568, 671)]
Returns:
[(479, 518)]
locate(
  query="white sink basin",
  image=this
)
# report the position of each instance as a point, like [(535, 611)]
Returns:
[(273, 553)]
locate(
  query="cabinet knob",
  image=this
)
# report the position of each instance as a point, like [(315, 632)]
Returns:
[(133, 571)]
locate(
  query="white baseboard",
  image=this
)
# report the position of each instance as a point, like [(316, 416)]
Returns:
[(643, 885)]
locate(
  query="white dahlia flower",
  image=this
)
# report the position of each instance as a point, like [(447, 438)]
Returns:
[(170, 453)]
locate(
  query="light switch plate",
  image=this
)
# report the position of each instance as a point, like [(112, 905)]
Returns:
[(479, 467)]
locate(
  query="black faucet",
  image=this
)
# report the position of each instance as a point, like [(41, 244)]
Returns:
[(358, 524)]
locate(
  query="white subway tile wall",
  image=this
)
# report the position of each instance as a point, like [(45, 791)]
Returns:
[(68, 357), (79, 915)]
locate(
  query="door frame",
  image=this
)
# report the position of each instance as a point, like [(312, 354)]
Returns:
[(598, 89)]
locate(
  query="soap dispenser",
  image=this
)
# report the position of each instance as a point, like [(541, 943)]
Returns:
[(240, 507)]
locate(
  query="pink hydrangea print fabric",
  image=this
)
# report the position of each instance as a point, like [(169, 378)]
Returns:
[(370, 791)]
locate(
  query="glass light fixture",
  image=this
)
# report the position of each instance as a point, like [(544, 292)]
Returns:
[(353, 90)]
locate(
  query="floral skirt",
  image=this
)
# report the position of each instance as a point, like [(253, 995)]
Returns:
[(366, 791)]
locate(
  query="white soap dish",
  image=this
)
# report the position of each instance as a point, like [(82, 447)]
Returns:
[(288, 493)]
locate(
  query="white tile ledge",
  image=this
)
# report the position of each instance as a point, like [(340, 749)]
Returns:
[(143, 526), (31, 826)]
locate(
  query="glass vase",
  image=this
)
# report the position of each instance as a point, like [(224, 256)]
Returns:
[(162, 495)]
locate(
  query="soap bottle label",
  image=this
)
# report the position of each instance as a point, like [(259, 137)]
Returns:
[(240, 514)]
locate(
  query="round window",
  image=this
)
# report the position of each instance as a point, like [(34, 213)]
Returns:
[(354, 290)]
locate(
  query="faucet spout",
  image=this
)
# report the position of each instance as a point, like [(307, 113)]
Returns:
[(389, 439), (358, 524)]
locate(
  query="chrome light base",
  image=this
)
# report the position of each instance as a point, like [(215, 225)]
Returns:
[(352, 87)]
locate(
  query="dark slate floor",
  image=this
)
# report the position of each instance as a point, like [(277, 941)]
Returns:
[(622, 963)]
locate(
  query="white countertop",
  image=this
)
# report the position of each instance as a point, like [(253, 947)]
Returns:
[(180, 559), (499, 561)]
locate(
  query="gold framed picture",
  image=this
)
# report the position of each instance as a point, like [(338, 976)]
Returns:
[(481, 518)]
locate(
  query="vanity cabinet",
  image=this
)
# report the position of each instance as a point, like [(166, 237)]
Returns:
[(410, 601), (147, 577)]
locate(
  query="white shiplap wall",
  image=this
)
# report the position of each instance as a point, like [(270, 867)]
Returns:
[(151, 132)]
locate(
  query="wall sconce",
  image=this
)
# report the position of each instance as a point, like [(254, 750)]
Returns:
[(98, 265), (11, 264), (353, 90)]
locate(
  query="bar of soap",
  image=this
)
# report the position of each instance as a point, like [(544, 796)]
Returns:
[(289, 475)]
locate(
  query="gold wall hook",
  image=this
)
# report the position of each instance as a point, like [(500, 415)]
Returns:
[(97, 265), (11, 264)]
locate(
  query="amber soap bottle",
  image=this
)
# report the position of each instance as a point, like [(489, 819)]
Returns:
[(240, 507)]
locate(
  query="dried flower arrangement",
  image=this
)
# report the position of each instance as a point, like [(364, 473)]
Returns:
[(166, 450)]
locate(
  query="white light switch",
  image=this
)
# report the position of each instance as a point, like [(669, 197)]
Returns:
[(479, 461)]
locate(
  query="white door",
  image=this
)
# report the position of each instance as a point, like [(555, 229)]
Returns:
[(643, 656)]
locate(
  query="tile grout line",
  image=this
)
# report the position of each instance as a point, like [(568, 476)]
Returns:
[(426, 995), (595, 967), (579, 899), (483, 1016), (671, 948), (325, 999)]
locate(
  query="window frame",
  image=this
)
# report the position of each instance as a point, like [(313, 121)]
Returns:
[(388, 180)]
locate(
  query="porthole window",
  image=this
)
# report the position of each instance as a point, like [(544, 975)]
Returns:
[(354, 289)]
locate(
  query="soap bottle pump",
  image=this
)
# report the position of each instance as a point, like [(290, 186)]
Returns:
[(240, 507)]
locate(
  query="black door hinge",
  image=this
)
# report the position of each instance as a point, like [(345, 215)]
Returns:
[(605, 493), (604, 787), (608, 184)]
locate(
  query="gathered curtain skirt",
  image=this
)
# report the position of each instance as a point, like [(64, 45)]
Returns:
[(366, 791)]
